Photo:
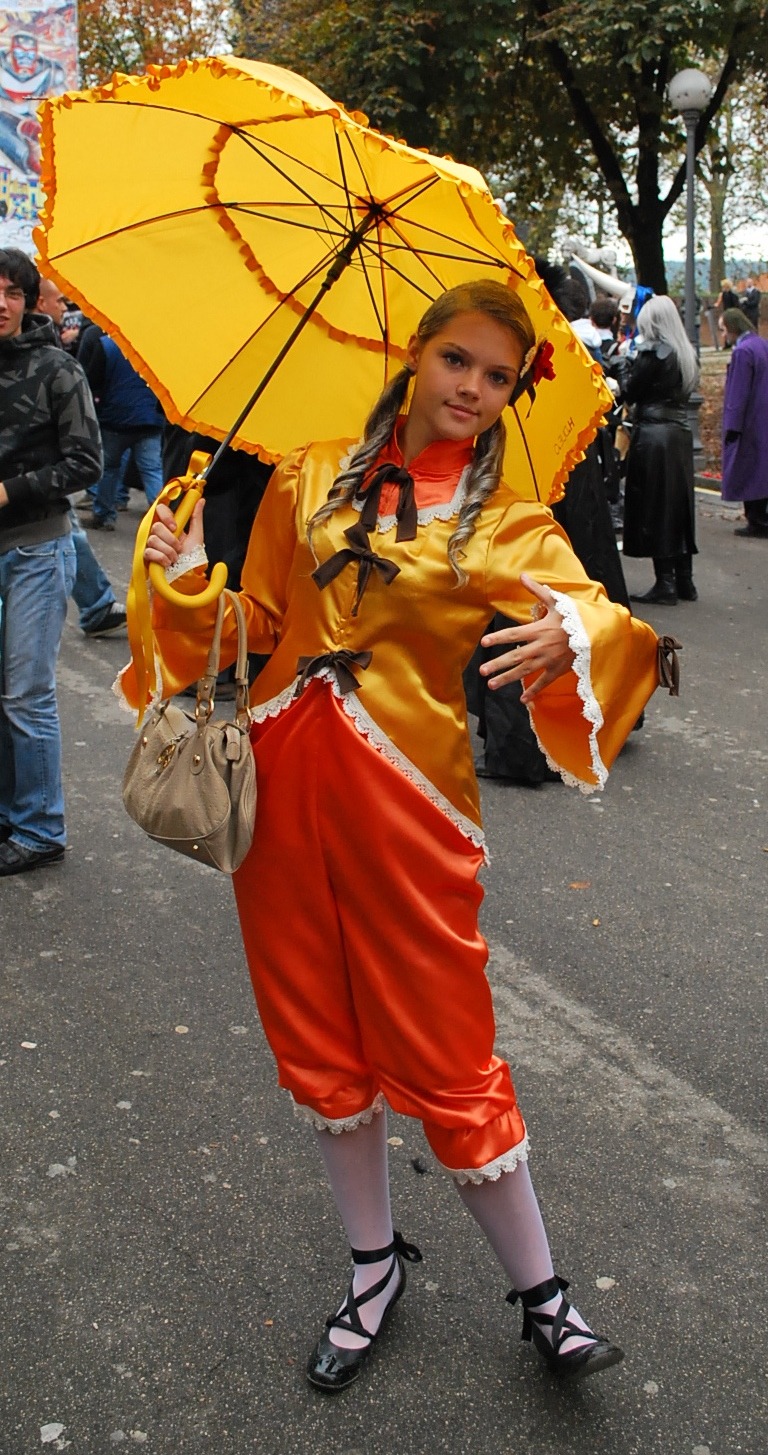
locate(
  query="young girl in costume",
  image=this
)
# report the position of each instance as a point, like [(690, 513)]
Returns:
[(370, 575)]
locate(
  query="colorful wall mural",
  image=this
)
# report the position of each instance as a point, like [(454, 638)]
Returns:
[(38, 57)]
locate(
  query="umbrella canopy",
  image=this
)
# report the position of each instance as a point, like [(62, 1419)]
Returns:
[(232, 227)]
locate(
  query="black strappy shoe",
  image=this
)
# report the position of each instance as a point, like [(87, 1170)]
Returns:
[(590, 1358), (332, 1368)]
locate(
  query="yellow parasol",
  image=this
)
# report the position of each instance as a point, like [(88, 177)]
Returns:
[(262, 257), (197, 211)]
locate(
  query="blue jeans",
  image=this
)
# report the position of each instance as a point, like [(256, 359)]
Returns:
[(35, 582), (92, 591), (145, 448)]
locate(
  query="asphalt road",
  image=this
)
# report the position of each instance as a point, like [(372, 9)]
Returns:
[(167, 1247)]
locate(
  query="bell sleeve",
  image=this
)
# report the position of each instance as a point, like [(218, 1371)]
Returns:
[(581, 720), (182, 634)]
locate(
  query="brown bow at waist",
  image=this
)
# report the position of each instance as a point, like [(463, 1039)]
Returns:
[(340, 663)]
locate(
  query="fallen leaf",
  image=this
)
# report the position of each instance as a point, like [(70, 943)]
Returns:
[(581, 884), (596, 921)]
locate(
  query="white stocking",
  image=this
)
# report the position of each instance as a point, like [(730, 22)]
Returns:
[(357, 1167), (508, 1213)]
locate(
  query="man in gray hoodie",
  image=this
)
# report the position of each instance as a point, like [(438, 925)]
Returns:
[(50, 448)]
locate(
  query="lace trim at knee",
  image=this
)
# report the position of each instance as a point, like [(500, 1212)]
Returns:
[(492, 1171), (580, 645), (339, 1124)]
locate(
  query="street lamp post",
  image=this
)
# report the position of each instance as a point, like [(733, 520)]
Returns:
[(689, 93)]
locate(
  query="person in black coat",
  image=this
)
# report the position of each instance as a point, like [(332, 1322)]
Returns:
[(659, 508), (511, 751)]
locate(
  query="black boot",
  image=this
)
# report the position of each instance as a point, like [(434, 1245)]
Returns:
[(684, 578), (662, 593)]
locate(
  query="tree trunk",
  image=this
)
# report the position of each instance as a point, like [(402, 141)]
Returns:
[(644, 238), (716, 238)]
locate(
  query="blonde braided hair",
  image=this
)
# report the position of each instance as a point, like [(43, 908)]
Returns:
[(504, 306)]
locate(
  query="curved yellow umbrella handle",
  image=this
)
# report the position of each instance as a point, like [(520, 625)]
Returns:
[(218, 579), (140, 634)]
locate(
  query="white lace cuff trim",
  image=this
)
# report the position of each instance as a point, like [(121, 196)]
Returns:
[(443, 511), (340, 1124), (580, 646), (119, 691), (492, 1171), (378, 740), (186, 562)]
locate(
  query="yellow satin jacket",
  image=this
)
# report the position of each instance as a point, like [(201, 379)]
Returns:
[(421, 630)]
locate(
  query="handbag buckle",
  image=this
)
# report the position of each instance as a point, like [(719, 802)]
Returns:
[(164, 757)]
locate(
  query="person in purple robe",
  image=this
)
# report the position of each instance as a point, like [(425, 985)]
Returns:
[(745, 422)]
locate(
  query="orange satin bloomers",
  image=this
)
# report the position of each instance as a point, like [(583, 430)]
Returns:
[(358, 906)]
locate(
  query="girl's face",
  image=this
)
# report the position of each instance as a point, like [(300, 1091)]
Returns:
[(464, 376)]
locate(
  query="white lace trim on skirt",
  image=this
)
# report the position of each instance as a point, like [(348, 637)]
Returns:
[(580, 645), (378, 740), (340, 1124), (492, 1171)]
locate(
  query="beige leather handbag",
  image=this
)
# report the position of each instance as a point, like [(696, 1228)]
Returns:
[(190, 782)]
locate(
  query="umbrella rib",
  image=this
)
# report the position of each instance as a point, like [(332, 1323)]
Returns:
[(350, 210), (527, 451), (130, 227), (253, 209), (261, 150), (374, 305), (231, 127), (414, 254), (382, 322), (302, 282)]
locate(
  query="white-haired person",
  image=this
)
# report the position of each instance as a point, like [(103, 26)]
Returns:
[(659, 505)]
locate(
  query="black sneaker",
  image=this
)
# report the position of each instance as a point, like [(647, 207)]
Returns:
[(16, 860), (97, 522), (111, 619)]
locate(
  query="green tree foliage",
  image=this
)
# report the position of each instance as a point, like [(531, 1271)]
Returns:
[(129, 35), (539, 93)]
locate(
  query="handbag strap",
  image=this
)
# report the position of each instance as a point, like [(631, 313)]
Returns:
[(206, 687)]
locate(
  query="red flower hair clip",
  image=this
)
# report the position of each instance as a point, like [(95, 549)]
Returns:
[(542, 363), (537, 365)]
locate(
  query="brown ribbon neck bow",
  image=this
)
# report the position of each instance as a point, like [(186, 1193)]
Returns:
[(405, 510), (340, 663), (359, 549), (669, 666)]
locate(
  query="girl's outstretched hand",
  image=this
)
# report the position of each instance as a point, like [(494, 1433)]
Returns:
[(162, 544), (540, 646)]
